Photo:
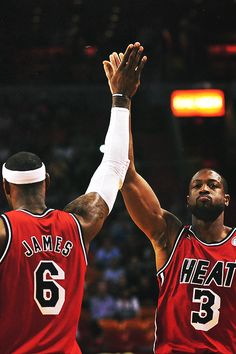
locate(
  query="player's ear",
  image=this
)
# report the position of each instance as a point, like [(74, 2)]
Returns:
[(6, 187), (47, 181), (187, 200), (227, 199)]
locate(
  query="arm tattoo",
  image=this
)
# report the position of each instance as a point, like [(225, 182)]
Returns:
[(89, 205)]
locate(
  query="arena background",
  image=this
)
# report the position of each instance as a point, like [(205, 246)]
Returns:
[(54, 101)]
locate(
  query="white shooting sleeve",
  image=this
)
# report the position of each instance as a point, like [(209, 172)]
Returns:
[(110, 174)]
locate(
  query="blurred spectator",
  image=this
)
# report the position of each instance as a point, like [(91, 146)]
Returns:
[(102, 304), (127, 305), (147, 292), (134, 270), (121, 228), (114, 271), (106, 252)]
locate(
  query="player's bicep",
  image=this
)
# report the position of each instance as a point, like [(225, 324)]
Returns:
[(143, 206), (91, 211)]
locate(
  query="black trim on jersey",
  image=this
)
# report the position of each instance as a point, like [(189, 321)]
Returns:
[(182, 229), (37, 215), (80, 232), (219, 243), (9, 235)]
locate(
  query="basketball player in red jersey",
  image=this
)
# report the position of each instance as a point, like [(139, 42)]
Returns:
[(196, 310), (43, 252)]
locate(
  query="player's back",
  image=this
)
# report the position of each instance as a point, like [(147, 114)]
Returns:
[(41, 280)]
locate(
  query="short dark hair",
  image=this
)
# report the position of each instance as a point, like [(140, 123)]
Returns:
[(23, 161)]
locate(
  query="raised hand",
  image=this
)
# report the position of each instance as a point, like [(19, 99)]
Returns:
[(123, 71)]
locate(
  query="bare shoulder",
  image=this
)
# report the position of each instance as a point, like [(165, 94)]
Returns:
[(91, 211), (3, 237)]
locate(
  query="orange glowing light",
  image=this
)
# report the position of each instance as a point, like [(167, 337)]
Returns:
[(198, 103)]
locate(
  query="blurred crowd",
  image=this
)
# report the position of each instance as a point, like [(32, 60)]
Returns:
[(178, 36)]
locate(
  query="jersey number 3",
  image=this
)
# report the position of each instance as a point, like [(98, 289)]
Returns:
[(48, 294), (208, 315)]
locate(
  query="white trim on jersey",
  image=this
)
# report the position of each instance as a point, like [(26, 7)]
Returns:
[(155, 332), (36, 215), (213, 243), (170, 257), (81, 238), (9, 237), (162, 278)]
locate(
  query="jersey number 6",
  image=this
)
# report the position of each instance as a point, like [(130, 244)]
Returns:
[(48, 294)]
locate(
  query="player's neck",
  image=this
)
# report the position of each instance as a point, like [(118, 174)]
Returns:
[(210, 231), (34, 205)]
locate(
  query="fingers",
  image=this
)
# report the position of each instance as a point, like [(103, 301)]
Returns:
[(138, 56), (141, 65), (131, 58), (126, 55), (115, 60), (135, 56), (136, 60), (108, 69), (121, 56)]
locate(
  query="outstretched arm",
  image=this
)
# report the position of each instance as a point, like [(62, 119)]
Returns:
[(159, 225), (92, 208)]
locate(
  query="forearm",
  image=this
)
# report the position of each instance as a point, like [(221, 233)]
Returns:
[(131, 173), (142, 204), (110, 174)]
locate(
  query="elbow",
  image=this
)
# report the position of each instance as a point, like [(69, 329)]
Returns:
[(131, 175)]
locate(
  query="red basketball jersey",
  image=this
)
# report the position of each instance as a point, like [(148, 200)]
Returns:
[(41, 282), (196, 310)]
